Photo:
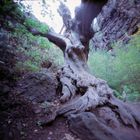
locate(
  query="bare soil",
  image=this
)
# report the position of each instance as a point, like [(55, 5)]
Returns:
[(21, 111)]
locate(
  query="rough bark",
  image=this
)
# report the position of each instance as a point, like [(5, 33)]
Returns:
[(84, 92), (79, 29)]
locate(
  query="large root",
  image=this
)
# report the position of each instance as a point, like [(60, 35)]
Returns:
[(83, 92)]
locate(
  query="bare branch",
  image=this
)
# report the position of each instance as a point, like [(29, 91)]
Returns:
[(55, 38)]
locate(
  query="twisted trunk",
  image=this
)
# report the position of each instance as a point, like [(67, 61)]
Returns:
[(83, 93)]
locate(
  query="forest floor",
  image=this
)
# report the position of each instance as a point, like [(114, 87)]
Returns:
[(22, 110)]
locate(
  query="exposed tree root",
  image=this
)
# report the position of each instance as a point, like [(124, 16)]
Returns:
[(83, 92)]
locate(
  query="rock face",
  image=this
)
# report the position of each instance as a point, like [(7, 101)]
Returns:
[(117, 20), (38, 87), (7, 74), (7, 59), (106, 21)]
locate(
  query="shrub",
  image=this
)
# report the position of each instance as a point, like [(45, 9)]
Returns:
[(55, 55), (44, 43), (36, 24), (119, 68)]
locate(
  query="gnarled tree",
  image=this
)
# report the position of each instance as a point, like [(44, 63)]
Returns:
[(81, 91)]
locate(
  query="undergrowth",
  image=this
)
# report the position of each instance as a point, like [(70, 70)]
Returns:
[(42, 27), (33, 52), (37, 52), (120, 68)]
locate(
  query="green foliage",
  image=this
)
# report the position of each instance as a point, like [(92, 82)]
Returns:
[(120, 68), (24, 36), (132, 93), (44, 43), (33, 52), (35, 49), (36, 24), (128, 93), (34, 55), (16, 12), (9, 6), (55, 55)]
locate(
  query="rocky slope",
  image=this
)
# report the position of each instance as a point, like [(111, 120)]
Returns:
[(116, 22)]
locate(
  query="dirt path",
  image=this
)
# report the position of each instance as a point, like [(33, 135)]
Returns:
[(23, 110)]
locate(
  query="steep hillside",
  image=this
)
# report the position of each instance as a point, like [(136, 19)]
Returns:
[(25, 60)]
